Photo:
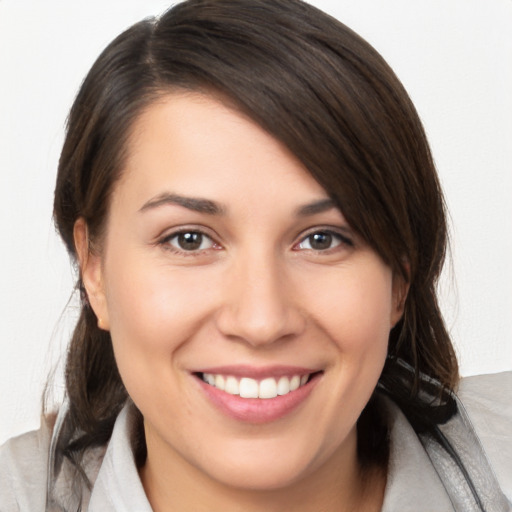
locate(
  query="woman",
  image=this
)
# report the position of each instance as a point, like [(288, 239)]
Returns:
[(251, 200)]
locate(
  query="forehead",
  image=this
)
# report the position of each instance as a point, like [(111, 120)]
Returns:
[(190, 143)]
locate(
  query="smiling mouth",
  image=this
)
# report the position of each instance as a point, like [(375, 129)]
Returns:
[(247, 387)]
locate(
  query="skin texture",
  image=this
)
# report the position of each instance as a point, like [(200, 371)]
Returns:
[(257, 293)]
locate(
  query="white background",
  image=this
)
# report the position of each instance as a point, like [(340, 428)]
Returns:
[(453, 56)]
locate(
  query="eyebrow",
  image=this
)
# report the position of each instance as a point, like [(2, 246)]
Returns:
[(316, 207), (191, 203), (212, 208)]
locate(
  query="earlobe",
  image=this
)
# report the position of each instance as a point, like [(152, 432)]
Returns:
[(400, 291), (91, 273)]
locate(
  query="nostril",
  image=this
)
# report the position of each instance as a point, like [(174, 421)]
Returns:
[(259, 326)]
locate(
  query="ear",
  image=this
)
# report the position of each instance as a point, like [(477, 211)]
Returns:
[(91, 273), (400, 291)]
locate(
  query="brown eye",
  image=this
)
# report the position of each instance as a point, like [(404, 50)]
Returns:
[(190, 241), (321, 241)]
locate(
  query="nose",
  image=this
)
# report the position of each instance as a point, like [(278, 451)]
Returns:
[(259, 304)]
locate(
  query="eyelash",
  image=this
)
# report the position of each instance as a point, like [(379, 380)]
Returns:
[(343, 240), (165, 242)]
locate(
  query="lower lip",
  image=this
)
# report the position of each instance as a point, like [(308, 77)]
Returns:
[(258, 410)]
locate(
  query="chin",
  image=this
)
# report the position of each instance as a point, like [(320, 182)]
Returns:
[(261, 476), (268, 465)]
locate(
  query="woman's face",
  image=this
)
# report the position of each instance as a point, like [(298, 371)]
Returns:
[(225, 261)]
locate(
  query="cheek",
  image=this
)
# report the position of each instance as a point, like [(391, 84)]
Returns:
[(153, 312), (152, 305), (354, 307)]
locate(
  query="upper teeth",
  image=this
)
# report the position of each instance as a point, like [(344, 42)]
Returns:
[(251, 388)]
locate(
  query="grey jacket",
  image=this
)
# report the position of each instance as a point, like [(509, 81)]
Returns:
[(421, 476)]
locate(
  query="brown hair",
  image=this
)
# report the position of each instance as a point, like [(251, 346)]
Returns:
[(326, 94)]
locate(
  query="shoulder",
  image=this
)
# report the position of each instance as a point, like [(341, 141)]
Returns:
[(23, 470), (487, 400)]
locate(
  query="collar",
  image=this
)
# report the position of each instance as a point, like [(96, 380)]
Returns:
[(422, 476), (413, 484), (118, 486)]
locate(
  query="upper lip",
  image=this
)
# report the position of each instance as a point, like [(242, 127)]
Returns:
[(258, 372)]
